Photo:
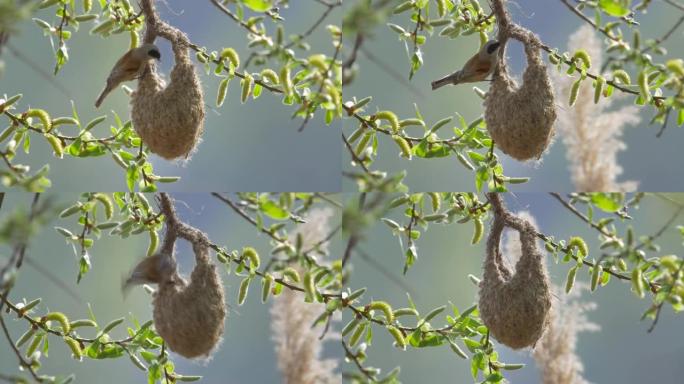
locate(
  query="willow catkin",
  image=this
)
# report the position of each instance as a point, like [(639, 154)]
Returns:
[(514, 306), (168, 118), (520, 118)]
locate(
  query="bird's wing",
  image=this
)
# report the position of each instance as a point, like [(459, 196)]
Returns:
[(482, 67), (125, 68)]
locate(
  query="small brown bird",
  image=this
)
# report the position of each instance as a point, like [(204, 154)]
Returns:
[(476, 69), (157, 269), (128, 67)]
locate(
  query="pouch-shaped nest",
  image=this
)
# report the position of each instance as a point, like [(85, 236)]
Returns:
[(189, 316), (168, 118), (514, 307), (520, 118)]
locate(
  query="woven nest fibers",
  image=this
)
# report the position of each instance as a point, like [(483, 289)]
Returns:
[(190, 316), (515, 307), (520, 119), (170, 118)]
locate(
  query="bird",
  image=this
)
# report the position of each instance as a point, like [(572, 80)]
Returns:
[(477, 68), (128, 67), (159, 268)]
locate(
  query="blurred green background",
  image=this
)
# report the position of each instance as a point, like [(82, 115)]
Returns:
[(250, 147), (246, 355), (621, 352), (651, 161)]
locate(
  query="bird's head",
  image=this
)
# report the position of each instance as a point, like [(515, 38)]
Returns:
[(157, 269), (490, 48), (151, 51)]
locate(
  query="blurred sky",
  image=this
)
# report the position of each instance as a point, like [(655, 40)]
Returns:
[(622, 352), (246, 355), (651, 161), (250, 147)]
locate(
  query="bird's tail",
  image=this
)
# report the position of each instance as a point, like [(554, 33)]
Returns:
[(449, 79), (102, 96)]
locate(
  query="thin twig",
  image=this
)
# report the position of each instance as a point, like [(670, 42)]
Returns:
[(316, 24), (22, 361), (230, 14), (675, 4), (662, 229), (398, 281), (589, 21), (349, 354), (358, 42), (581, 215), (392, 73), (12, 379), (244, 215), (17, 257), (356, 159), (664, 37), (667, 118), (42, 73), (323, 197), (326, 239)]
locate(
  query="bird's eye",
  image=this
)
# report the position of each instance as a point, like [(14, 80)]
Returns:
[(154, 53), (492, 47)]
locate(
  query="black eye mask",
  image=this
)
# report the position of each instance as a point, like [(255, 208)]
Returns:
[(154, 53), (492, 47)]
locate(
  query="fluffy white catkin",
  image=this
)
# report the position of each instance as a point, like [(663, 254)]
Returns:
[(591, 133), (297, 345), (556, 354)]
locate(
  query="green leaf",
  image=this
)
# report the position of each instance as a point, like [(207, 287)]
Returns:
[(84, 267), (617, 8), (112, 325), (95, 122), (427, 150), (396, 28), (416, 62), (570, 281), (258, 5), (434, 313), (607, 202), (271, 209), (495, 377), (132, 175), (187, 378), (481, 177)]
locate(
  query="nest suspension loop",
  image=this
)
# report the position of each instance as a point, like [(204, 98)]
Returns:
[(514, 306), (520, 118), (189, 316), (168, 118)]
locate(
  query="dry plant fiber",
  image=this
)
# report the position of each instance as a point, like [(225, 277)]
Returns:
[(520, 118), (514, 307), (168, 118), (189, 316)]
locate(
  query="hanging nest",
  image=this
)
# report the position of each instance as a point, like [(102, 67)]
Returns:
[(189, 316), (168, 118), (520, 119), (515, 308)]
